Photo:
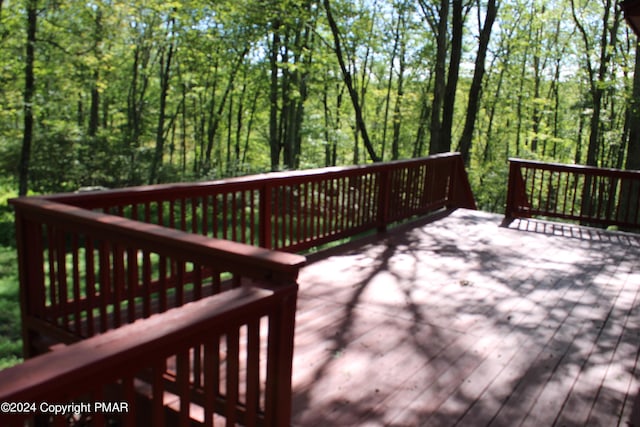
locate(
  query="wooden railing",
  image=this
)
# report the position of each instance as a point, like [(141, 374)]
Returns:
[(91, 263), (184, 365), (84, 273), (298, 210), (587, 195)]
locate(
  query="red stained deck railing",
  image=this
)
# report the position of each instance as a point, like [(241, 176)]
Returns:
[(94, 262), (588, 195), (189, 363), (298, 210)]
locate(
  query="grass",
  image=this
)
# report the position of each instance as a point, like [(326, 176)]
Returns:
[(10, 329)]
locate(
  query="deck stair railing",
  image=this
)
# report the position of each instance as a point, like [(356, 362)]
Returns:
[(587, 195), (95, 263)]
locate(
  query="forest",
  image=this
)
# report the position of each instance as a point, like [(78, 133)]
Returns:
[(118, 93)]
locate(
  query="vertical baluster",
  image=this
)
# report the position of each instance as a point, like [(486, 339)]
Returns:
[(172, 213), (548, 187), (328, 211), (291, 196), (576, 182), (557, 208), (565, 190), (252, 402), (527, 183), (234, 216), (179, 284), (243, 216), (214, 213), (105, 285), (157, 409), (90, 284), (365, 199), (276, 217), (253, 232), (118, 284), (612, 196), (233, 366), (317, 208), (75, 277), (195, 218), (225, 215), (183, 214), (183, 374), (162, 283), (205, 215), (196, 367), (342, 203), (350, 201), (211, 380), (634, 186), (132, 282), (51, 306), (540, 197), (146, 284), (129, 396), (306, 211)]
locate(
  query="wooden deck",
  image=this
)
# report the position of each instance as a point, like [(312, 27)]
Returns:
[(463, 322)]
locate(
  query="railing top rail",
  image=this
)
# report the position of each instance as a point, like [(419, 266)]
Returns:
[(168, 191), (115, 352), (251, 261), (583, 169)]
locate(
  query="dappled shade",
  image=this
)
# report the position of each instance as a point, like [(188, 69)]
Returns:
[(463, 322)]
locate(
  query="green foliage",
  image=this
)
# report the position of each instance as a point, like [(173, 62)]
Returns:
[(100, 64), (7, 228), (11, 342)]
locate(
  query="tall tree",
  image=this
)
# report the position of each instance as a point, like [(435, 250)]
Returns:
[(597, 74), (29, 92), (164, 63), (475, 91), (348, 81)]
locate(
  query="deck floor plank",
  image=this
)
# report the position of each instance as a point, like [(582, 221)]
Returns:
[(461, 321)]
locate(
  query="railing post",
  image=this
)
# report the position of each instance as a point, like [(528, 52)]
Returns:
[(517, 203), (510, 205), (30, 263), (279, 400), (460, 194)]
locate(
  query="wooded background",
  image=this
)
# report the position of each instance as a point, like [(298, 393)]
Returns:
[(120, 93)]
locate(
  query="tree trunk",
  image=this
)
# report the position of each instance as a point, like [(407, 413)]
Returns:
[(274, 134), (29, 91), (94, 111), (630, 192), (436, 145), (216, 117), (165, 70), (346, 75), (449, 101), (475, 92)]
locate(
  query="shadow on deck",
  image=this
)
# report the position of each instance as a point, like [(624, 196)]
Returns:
[(464, 322)]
